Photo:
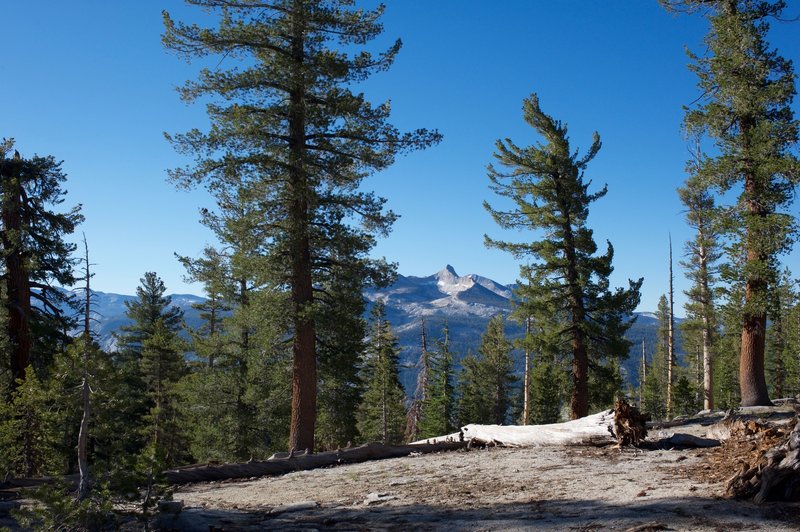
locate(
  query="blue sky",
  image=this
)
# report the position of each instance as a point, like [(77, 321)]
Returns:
[(88, 82)]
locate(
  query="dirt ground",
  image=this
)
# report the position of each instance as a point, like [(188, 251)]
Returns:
[(543, 488)]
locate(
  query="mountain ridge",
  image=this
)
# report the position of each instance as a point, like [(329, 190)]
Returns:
[(462, 303)]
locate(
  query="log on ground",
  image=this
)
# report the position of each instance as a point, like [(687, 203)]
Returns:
[(280, 465)]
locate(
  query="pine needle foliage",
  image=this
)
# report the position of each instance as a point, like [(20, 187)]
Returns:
[(745, 111), (289, 146), (382, 413), (564, 282)]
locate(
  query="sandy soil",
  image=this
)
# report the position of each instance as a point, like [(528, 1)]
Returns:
[(544, 488)]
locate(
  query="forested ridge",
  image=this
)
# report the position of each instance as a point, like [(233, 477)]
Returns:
[(294, 350)]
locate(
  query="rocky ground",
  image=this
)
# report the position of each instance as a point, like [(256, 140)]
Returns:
[(543, 488)]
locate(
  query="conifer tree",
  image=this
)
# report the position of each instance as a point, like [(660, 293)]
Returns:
[(655, 390), (487, 380), (29, 430), (289, 135), (702, 256), (437, 411), (420, 392), (783, 355), (745, 109), (566, 279), (545, 394), (36, 257), (728, 346), (382, 413), (154, 327)]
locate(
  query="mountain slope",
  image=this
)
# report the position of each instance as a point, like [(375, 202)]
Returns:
[(462, 303)]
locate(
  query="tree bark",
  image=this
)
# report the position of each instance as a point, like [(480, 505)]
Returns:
[(752, 381), (670, 336), (17, 281), (304, 363), (279, 464), (527, 375)]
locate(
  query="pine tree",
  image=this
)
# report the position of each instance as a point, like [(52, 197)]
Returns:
[(295, 143), (655, 389), (424, 369), (745, 109), (29, 430), (546, 395), (154, 321), (473, 403), (727, 347), (702, 256), (382, 414), (566, 281), (782, 340), (238, 409), (486, 381), (437, 411), (36, 258)]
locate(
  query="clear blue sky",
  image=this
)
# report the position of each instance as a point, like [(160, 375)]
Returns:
[(88, 82)]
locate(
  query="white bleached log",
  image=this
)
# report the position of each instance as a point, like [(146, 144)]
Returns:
[(591, 429)]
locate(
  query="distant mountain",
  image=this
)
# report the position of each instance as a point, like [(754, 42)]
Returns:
[(108, 314), (463, 303)]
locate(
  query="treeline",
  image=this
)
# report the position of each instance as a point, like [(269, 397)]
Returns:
[(285, 358)]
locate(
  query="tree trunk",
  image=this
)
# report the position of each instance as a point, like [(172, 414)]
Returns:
[(670, 337), (304, 362), (527, 375), (83, 432), (289, 462), (642, 376), (752, 380), (17, 282)]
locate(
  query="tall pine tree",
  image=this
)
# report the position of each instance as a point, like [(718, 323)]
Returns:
[(288, 132), (566, 279), (36, 258), (745, 109)]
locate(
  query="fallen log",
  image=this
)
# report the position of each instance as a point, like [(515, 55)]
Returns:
[(280, 465), (595, 429)]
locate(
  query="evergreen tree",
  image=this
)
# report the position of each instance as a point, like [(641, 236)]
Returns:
[(382, 414), (473, 403), (437, 411), (566, 280), (547, 373), (745, 109), (546, 396), (727, 348), (29, 426), (35, 258), (655, 388), (783, 354), (154, 321), (702, 256), (685, 397), (294, 142), (424, 369), (487, 380)]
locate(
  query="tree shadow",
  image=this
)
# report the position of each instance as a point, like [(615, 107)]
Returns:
[(700, 513)]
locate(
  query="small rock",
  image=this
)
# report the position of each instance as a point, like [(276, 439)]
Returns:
[(295, 507), (375, 497), (170, 507), (642, 493)]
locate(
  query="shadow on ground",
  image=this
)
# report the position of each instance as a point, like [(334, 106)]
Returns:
[(674, 514)]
